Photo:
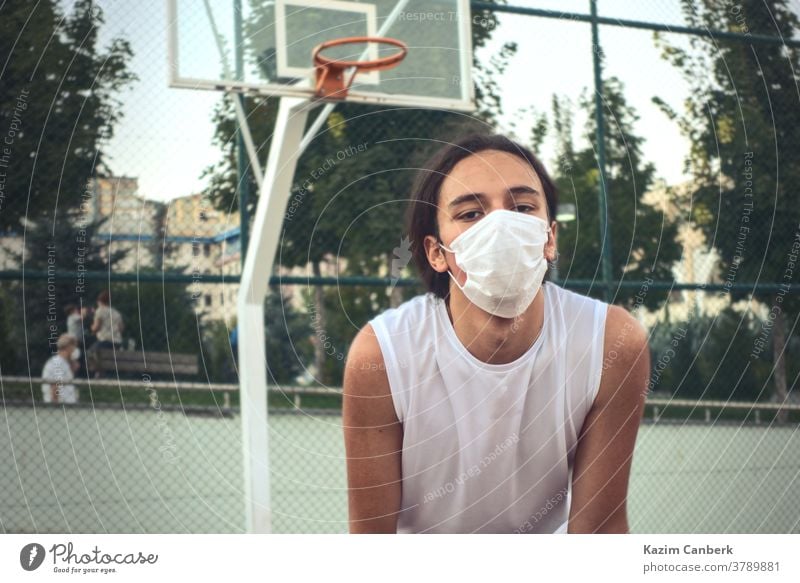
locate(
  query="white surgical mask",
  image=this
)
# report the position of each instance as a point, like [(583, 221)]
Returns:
[(503, 257), (76, 354)]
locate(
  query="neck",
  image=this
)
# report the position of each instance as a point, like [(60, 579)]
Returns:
[(492, 339)]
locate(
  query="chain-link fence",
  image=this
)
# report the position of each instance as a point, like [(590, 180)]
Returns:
[(670, 142)]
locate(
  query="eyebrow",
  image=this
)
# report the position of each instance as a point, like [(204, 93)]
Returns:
[(481, 197)]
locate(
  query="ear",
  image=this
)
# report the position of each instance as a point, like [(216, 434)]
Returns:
[(550, 248), (435, 254)]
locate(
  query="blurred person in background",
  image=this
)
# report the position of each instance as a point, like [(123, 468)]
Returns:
[(75, 322), (75, 327), (60, 369), (107, 325)]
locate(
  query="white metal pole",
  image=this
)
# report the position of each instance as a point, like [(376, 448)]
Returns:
[(265, 235)]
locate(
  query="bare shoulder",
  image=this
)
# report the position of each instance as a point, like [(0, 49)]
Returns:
[(365, 368), (367, 397), (626, 353), (624, 336)]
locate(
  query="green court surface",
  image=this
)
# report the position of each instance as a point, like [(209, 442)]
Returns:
[(148, 470)]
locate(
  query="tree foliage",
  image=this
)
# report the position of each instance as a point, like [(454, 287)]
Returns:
[(741, 118), (642, 237), (59, 102)]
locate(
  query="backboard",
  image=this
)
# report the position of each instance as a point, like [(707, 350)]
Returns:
[(271, 41)]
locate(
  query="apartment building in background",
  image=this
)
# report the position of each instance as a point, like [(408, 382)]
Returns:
[(185, 234)]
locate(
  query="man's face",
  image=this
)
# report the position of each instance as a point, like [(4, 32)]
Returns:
[(479, 184)]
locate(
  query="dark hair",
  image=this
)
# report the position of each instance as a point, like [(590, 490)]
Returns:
[(69, 308), (421, 215), (104, 297)]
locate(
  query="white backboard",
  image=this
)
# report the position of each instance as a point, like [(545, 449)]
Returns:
[(273, 40)]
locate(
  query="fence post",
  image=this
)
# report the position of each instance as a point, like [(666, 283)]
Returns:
[(601, 155), (241, 155)]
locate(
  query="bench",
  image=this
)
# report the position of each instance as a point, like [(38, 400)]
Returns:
[(132, 361)]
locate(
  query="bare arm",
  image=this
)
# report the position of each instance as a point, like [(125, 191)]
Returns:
[(605, 447), (373, 439)]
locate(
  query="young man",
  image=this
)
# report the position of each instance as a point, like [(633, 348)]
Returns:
[(495, 402), (61, 368)]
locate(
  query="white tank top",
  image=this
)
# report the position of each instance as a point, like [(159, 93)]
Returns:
[(489, 448)]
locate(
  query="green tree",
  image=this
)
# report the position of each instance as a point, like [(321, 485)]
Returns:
[(725, 373), (58, 104), (158, 316), (741, 118), (288, 346), (701, 358), (642, 238), (218, 360), (11, 339)]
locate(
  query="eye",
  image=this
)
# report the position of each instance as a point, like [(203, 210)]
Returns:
[(524, 208), (469, 215)]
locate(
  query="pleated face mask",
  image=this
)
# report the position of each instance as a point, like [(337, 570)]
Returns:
[(503, 257)]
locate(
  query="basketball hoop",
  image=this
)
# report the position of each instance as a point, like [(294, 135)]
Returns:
[(331, 83)]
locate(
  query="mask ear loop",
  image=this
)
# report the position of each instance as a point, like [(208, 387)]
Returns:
[(552, 264), (445, 248), (450, 273)]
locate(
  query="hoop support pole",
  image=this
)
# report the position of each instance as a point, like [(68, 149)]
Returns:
[(265, 235)]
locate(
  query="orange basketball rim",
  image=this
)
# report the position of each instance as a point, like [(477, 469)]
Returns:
[(331, 82)]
